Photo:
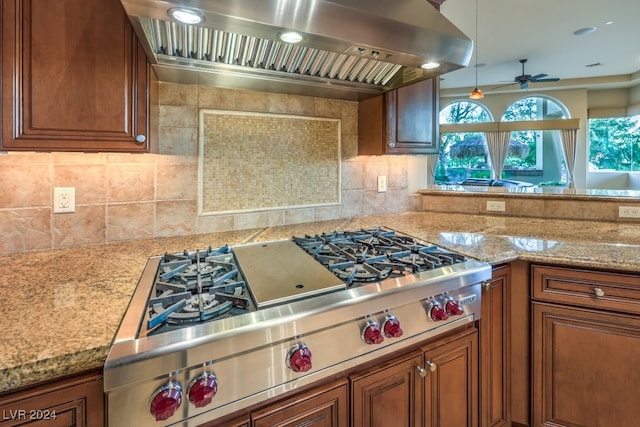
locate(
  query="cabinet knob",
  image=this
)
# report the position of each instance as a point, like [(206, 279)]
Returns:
[(392, 144), (486, 285), (599, 292), (421, 371), (431, 365), (140, 139)]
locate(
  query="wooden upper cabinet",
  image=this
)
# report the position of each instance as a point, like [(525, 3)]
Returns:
[(402, 121), (74, 78)]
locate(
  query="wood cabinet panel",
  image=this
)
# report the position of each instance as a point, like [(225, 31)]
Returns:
[(389, 395), (74, 78), (586, 288), (325, 406), (402, 121), (585, 367), (495, 350), (76, 401), (451, 389)]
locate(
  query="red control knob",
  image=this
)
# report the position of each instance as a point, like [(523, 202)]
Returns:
[(166, 401), (453, 308), (299, 358), (203, 389), (391, 327), (437, 313), (372, 333)]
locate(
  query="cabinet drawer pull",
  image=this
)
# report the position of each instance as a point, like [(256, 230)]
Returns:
[(599, 292)]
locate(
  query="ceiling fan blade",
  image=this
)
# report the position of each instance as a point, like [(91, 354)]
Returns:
[(550, 79), (538, 76), (524, 85), (508, 84)]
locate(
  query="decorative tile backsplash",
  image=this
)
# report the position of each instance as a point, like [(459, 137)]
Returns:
[(260, 161), (140, 196)]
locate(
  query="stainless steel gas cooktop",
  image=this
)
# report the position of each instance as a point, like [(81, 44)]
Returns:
[(202, 322)]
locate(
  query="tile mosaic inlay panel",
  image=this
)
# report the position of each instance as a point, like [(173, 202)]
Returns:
[(258, 161)]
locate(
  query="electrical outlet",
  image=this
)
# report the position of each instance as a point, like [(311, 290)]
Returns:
[(628, 211), (496, 206), (382, 184), (64, 199)]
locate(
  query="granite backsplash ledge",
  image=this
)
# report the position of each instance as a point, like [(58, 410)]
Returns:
[(551, 204)]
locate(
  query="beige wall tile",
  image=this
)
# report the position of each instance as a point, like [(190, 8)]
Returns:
[(324, 213), (89, 181), (353, 175), (177, 181), (277, 103), (605, 211), (352, 203), (298, 216), (252, 101), (214, 223), (178, 94), (525, 207), (179, 142), (130, 182), (349, 146), (217, 98), (130, 221), (250, 220), (25, 229), (180, 117), (561, 209), (25, 185), (375, 167), (328, 108), (301, 105), (175, 218), (86, 226), (398, 174)]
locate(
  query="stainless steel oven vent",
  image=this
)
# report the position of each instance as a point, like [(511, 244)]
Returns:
[(351, 49)]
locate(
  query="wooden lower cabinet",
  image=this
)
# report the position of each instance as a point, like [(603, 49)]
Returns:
[(325, 406), (495, 350), (434, 387), (585, 347), (451, 383), (389, 395), (71, 402)]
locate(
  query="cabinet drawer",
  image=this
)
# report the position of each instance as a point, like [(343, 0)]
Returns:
[(586, 288)]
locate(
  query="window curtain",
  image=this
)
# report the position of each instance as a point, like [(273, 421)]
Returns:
[(498, 145), (569, 142), (432, 164)]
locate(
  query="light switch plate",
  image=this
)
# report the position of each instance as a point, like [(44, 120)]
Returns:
[(382, 184), (496, 206)]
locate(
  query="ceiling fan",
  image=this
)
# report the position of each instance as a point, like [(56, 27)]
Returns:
[(524, 79)]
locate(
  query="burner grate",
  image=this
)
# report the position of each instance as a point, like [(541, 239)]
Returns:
[(374, 254)]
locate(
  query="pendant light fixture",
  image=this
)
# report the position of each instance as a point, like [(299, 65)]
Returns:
[(476, 93)]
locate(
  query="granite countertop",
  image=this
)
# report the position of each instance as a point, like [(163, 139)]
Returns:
[(61, 308)]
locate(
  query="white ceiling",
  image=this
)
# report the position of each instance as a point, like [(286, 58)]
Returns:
[(542, 32)]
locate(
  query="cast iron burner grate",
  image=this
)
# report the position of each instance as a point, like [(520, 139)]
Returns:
[(373, 254), (195, 287)]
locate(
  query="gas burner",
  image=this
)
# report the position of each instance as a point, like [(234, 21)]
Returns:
[(196, 286), (374, 254)]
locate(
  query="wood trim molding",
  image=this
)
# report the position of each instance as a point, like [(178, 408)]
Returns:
[(511, 126)]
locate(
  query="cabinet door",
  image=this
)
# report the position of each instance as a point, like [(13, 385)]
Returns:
[(495, 346), (77, 402), (402, 121), (585, 367), (74, 77), (326, 406), (451, 383), (389, 395), (412, 118)]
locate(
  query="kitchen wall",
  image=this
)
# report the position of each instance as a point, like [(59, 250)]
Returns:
[(140, 196)]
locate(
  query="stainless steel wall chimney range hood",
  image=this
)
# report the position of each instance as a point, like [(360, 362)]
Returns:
[(350, 49)]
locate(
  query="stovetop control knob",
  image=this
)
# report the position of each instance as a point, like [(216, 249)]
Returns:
[(203, 389), (299, 358), (452, 307), (391, 326), (372, 333), (436, 312), (165, 401)]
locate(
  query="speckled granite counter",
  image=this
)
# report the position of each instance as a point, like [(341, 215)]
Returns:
[(61, 308)]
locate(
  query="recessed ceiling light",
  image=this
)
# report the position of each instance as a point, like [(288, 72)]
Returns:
[(595, 64), (186, 16), (430, 65), (608, 23), (583, 31), (290, 37)]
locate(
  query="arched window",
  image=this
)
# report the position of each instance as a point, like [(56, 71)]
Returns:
[(462, 155), (536, 156)]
